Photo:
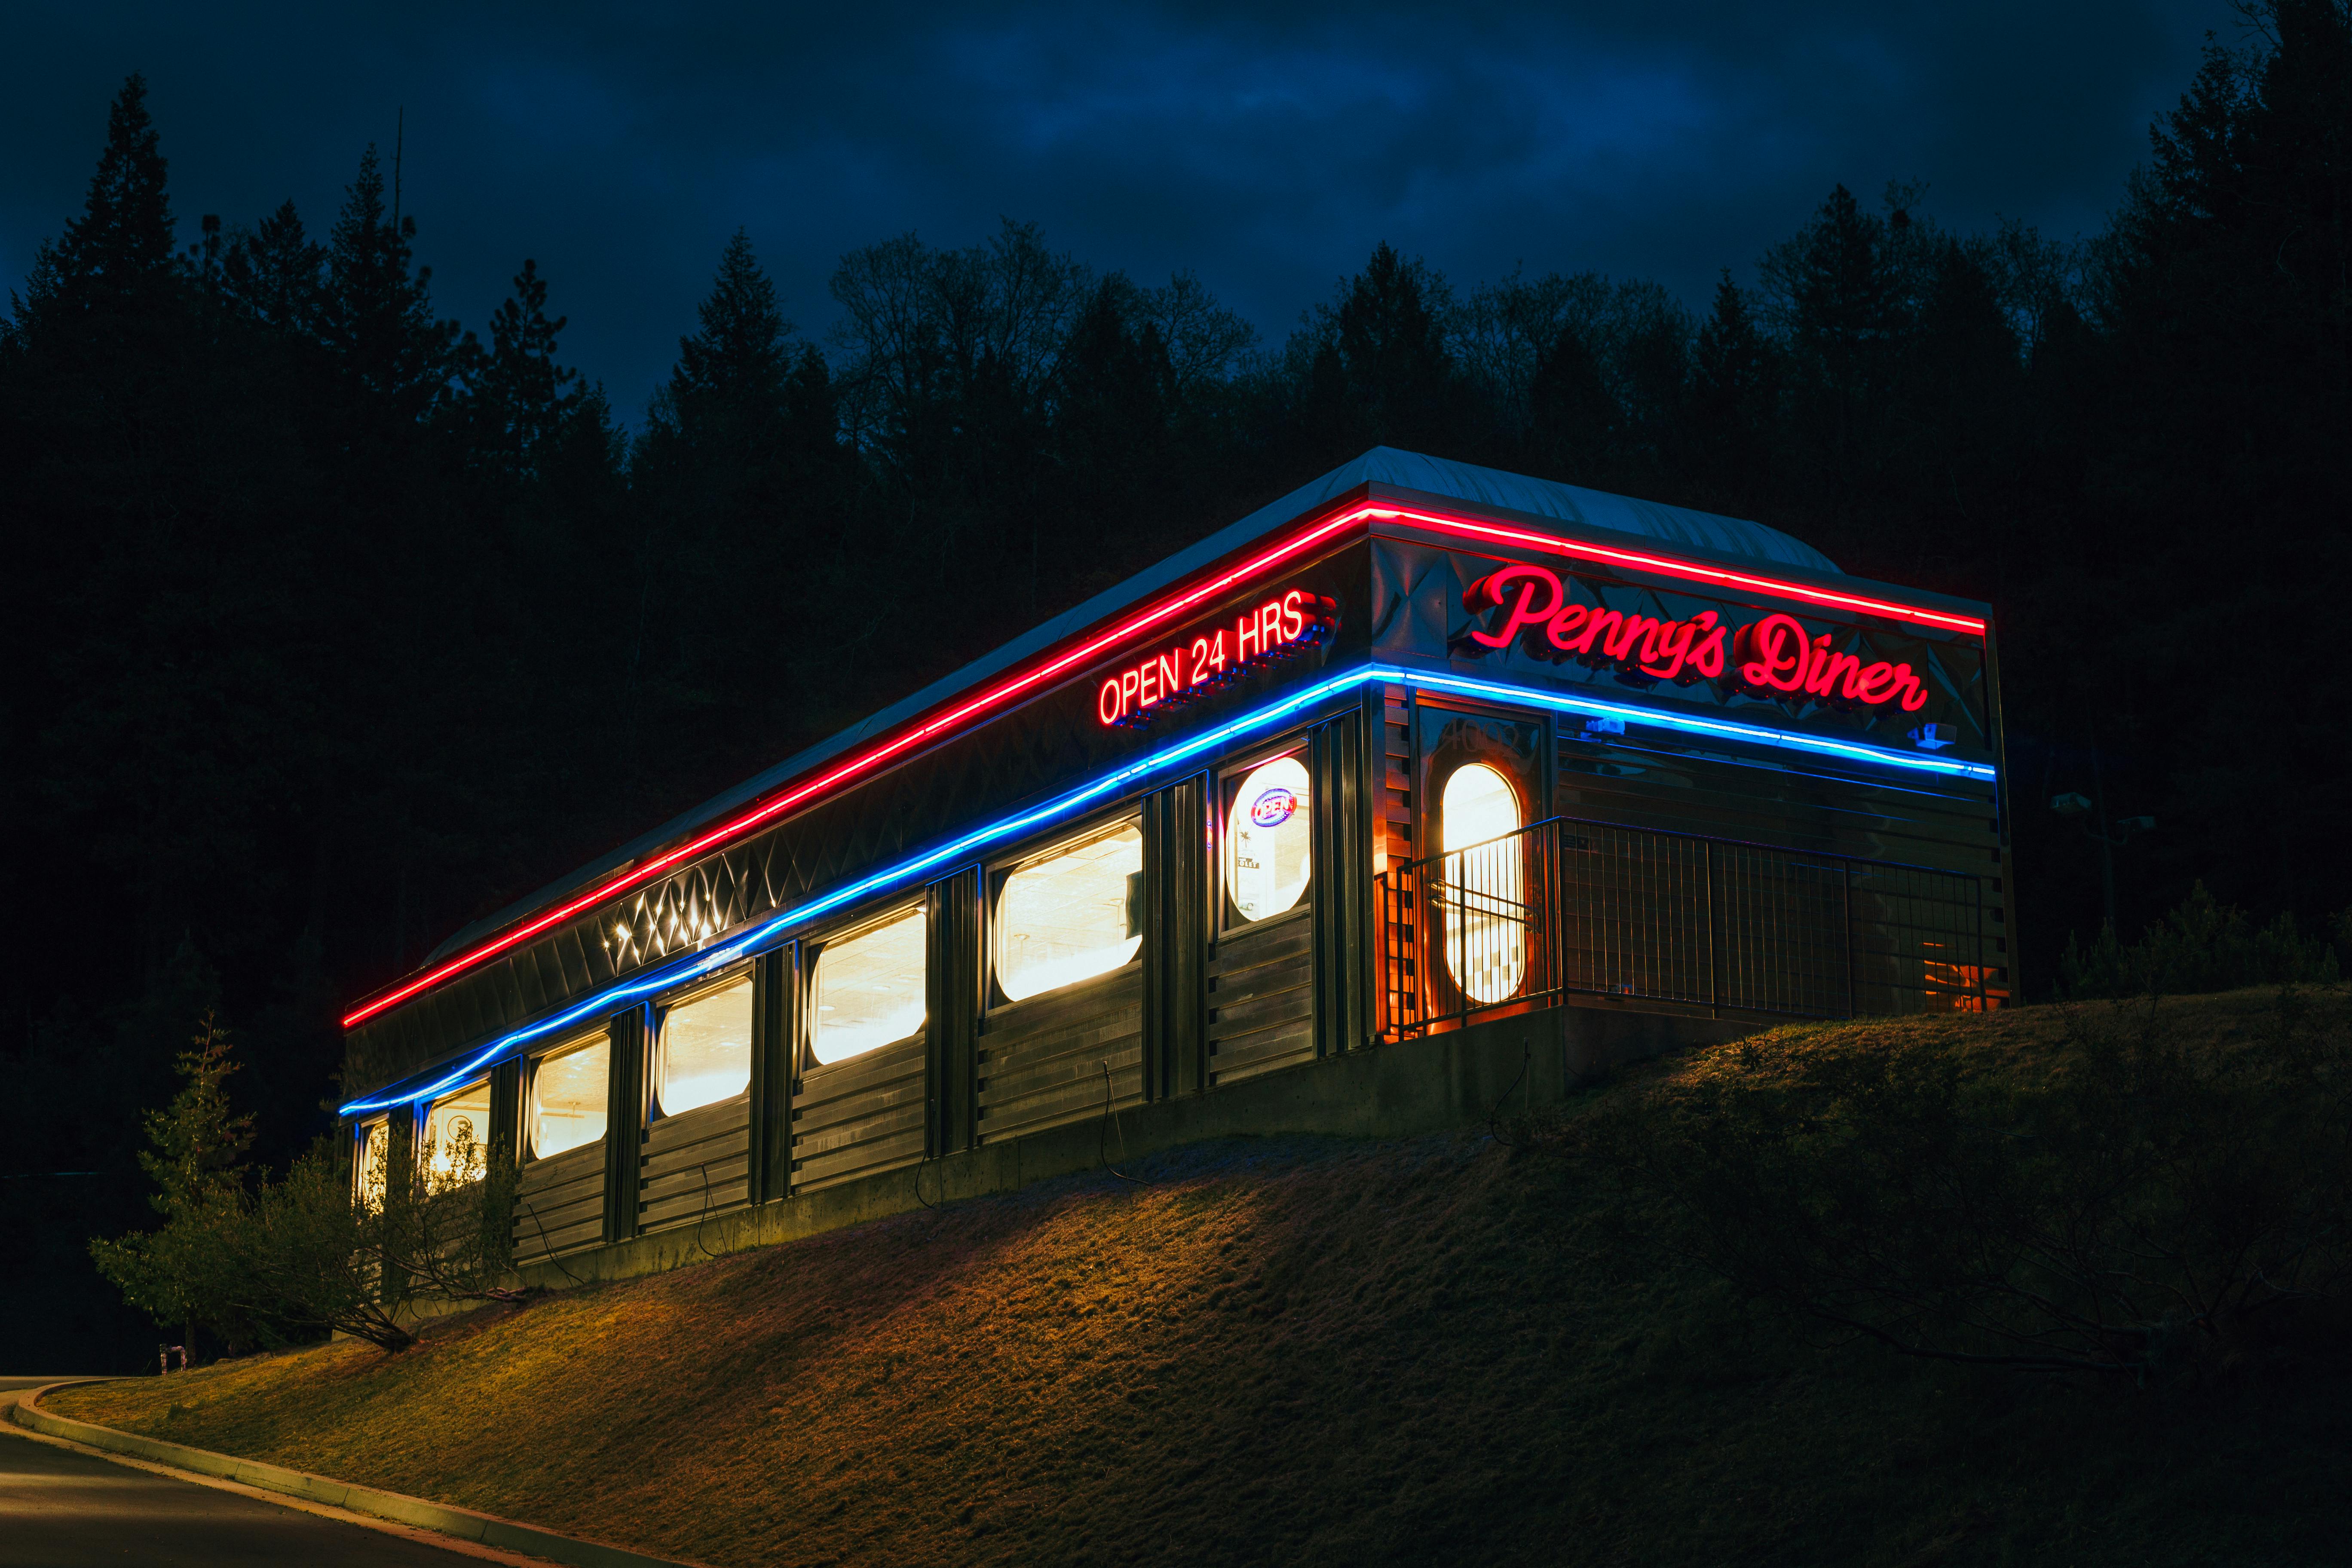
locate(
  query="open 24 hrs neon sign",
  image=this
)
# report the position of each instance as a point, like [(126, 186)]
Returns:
[(1285, 624), (1774, 654)]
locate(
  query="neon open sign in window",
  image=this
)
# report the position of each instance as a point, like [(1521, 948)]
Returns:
[(1281, 626)]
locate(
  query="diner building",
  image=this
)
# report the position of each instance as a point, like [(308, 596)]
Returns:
[(1425, 792)]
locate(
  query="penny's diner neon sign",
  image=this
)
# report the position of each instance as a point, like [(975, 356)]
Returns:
[(1774, 654), (1276, 628)]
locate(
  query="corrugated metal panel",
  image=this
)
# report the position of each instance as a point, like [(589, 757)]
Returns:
[(1042, 1061), (1176, 876), (1950, 824), (1262, 998), (859, 1117), (560, 1204), (1342, 891), (695, 1165)]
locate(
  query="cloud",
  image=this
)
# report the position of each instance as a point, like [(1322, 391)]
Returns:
[(1266, 148)]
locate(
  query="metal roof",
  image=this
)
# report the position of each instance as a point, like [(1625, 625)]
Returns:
[(1702, 532)]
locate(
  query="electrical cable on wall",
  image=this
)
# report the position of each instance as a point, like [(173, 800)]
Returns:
[(705, 1168), (1103, 1130), (547, 1247), (1526, 1058)]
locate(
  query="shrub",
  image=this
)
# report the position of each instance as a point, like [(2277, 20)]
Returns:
[(184, 1274), (2147, 1204), (2202, 945), (276, 1261)]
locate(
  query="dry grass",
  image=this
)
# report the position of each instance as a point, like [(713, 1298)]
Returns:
[(1293, 1351)]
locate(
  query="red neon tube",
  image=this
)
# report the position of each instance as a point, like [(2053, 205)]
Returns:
[(1674, 567), (864, 762), (1085, 651)]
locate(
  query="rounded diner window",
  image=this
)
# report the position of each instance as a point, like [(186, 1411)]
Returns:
[(1482, 891), (1072, 914), (706, 1049), (1268, 861), (869, 989), (1479, 804), (568, 1098), (457, 1135), (375, 1155)]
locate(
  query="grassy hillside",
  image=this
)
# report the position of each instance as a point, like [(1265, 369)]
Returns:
[(1282, 1350)]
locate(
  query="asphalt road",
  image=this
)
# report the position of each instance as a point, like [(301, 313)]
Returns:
[(63, 1510)]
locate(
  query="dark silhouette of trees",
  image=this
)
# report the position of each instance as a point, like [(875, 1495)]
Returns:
[(521, 398), (339, 626), (394, 363), (1377, 368), (1734, 415)]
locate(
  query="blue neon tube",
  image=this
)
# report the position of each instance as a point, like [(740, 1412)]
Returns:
[(614, 996)]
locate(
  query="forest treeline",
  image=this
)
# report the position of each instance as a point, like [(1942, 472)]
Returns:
[(337, 624)]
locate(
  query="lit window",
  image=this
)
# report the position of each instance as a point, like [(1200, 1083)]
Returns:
[(367, 1178), (1075, 914), (568, 1098), (705, 1048), (457, 1134), (1267, 861), (869, 989), (1479, 804), (1482, 896)]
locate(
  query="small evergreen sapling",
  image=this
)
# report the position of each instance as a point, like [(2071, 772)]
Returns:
[(184, 1274)]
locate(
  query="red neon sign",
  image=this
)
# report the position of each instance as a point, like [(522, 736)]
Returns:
[(1680, 651), (1279, 627), (1775, 654), (1320, 532)]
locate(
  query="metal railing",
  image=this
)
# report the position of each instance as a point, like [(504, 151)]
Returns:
[(1574, 907)]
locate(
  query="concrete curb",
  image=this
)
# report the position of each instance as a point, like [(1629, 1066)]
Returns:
[(462, 1522)]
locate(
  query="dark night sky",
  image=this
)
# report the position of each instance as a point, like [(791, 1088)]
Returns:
[(1267, 148)]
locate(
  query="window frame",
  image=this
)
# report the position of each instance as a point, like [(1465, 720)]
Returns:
[(366, 1135), (1127, 812), (812, 951), (657, 1046), (1527, 818), (585, 1040), (426, 1143), (1230, 772), (1526, 769), (1530, 777)]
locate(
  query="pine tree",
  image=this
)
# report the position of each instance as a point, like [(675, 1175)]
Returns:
[(1962, 381), (1735, 402), (1572, 418), (184, 1274), (121, 247), (377, 321), (274, 274), (1111, 393), (1389, 330), (197, 1147), (1837, 288), (1844, 311), (728, 386), (102, 319), (521, 397)]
